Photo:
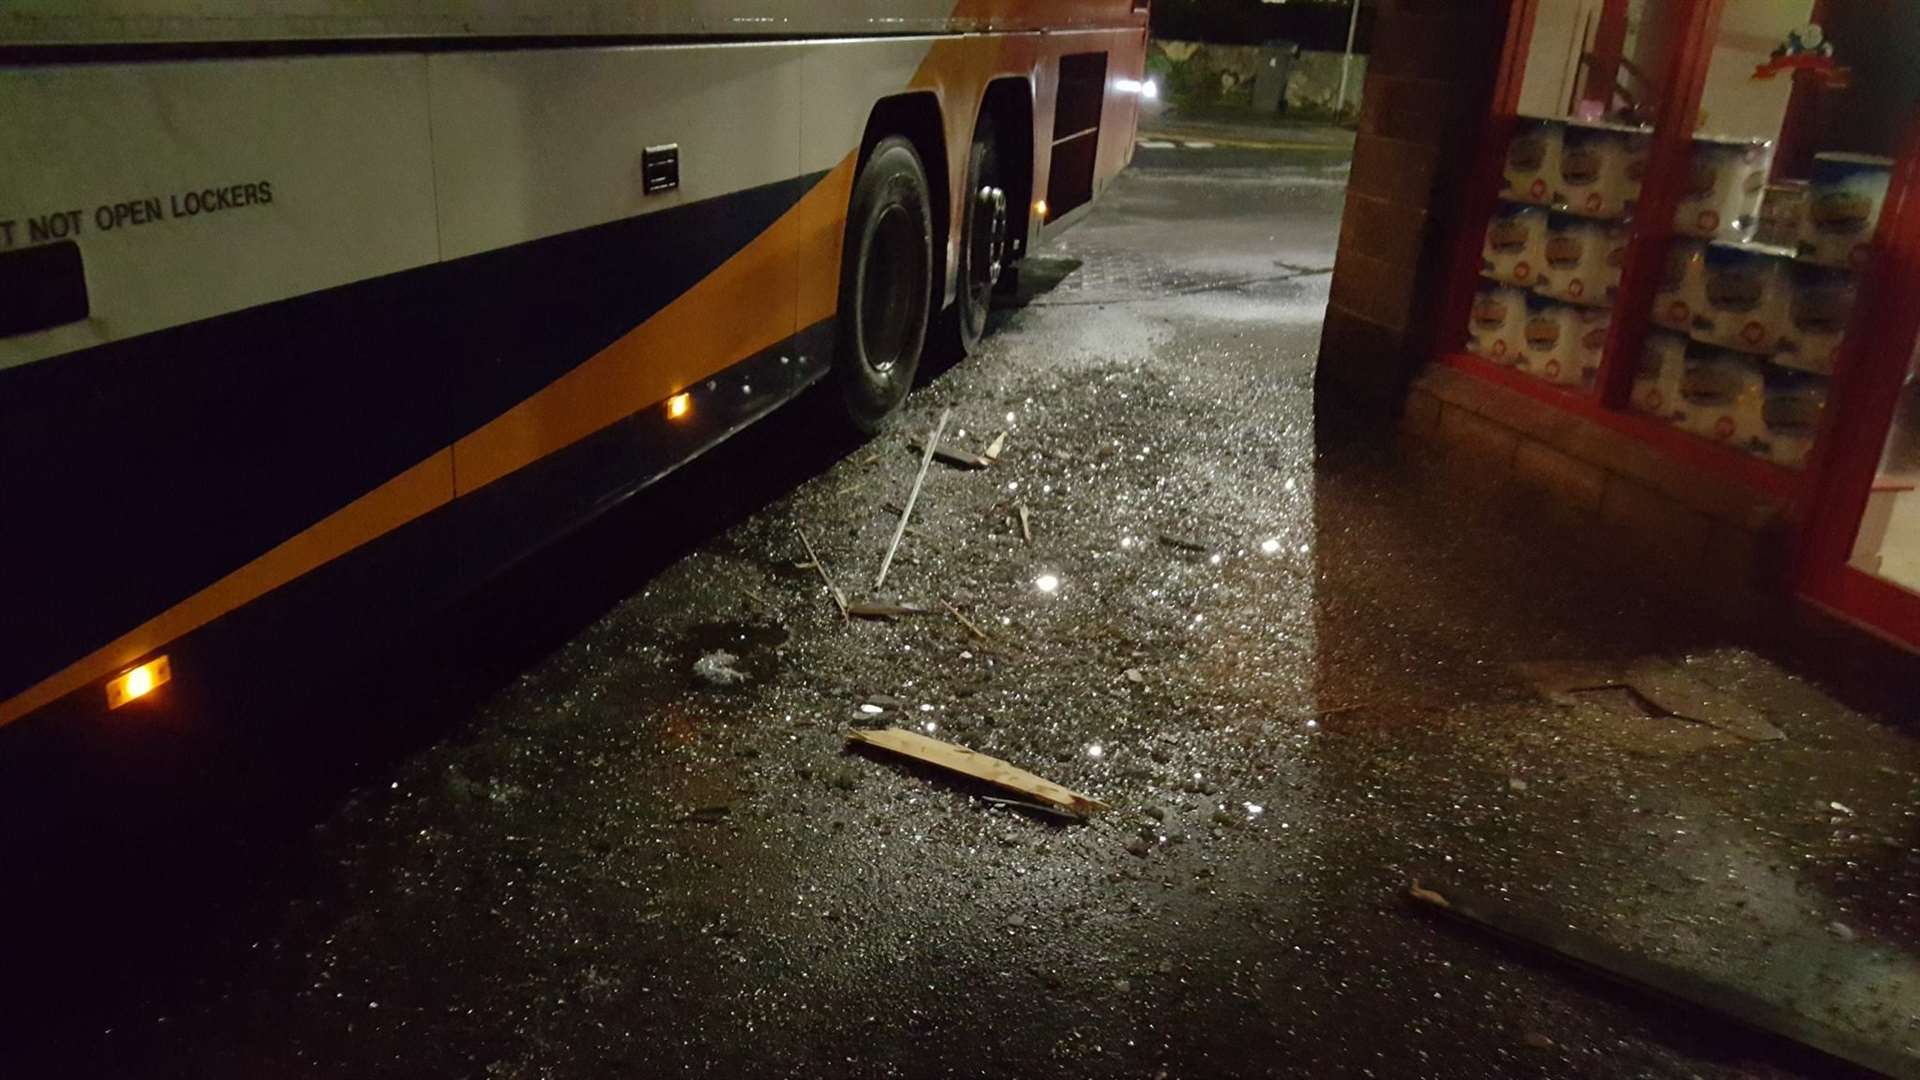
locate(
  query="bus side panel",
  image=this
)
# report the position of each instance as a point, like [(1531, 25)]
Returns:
[(98, 21), (1125, 52), (957, 70), (154, 465), (569, 302), (147, 464), (537, 143), (840, 83), (199, 188)]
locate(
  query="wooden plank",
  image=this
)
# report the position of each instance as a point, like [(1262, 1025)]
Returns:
[(926, 459), (872, 609), (992, 452), (979, 766), (956, 456), (1664, 980), (839, 598)]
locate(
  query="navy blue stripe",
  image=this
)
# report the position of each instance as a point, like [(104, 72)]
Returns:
[(136, 473), (291, 641)]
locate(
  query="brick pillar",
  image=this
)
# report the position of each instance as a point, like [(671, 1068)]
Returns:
[(1429, 83)]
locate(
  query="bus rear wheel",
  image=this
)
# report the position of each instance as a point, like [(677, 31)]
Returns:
[(886, 284), (983, 243)]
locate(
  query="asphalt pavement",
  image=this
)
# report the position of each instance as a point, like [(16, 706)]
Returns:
[(605, 821)]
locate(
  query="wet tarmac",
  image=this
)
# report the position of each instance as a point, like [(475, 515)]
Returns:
[(538, 844)]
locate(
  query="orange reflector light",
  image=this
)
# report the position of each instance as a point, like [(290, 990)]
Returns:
[(679, 405), (1040, 209), (139, 682)]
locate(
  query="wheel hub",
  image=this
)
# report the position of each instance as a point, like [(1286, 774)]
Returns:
[(989, 234)]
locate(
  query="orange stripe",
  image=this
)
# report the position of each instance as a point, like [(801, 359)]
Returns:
[(793, 270), (754, 300), (385, 508), (750, 303)]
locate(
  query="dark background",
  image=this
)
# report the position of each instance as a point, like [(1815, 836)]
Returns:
[(1312, 24)]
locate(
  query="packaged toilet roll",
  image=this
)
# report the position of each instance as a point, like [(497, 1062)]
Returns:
[(1601, 166), (1683, 285), (1516, 244), (1791, 414), (1583, 258), (1533, 160), (1818, 312), (1497, 321), (1561, 343), (1783, 213), (1591, 324), (1725, 394), (1746, 298), (1843, 208), (1726, 181), (1656, 384)]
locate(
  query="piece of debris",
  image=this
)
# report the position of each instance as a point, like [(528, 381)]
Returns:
[(1663, 980), (1139, 846), (955, 456), (1026, 527), (1557, 680), (1514, 783), (717, 669), (1134, 675), (1183, 544), (979, 766), (1038, 808), (883, 702), (1841, 807), (1841, 930), (1537, 1040), (1662, 687), (839, 598), (1678, 693), (992, 452), (913, 496), (870, 609), (966, 622), (708, 814)]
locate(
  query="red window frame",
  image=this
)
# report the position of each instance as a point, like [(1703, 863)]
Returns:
[(1826, 498)]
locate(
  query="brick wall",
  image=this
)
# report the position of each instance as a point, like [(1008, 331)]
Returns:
[(1428, 85), (1722, 544)]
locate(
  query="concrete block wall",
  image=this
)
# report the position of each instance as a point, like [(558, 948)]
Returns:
[(1726, 546), (1429, 82)]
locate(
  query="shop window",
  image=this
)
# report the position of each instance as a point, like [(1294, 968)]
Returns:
[(1674, 239)]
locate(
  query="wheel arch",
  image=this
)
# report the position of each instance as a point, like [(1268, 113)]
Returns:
[(1008, 100), (916, 116)]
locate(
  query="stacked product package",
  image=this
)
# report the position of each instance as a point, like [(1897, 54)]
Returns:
[(1550, 268), (1756, 294), (1758, 289)]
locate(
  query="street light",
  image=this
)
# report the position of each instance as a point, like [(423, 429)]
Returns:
[(1346, 60)]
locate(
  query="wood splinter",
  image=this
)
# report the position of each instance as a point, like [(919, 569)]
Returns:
[(979, 766)]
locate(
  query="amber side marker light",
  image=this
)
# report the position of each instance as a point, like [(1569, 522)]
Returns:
[(1040, 209), (139, 682), (679, 405)]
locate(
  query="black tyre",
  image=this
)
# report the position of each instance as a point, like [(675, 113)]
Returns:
[(983, 243), (886, 284)]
